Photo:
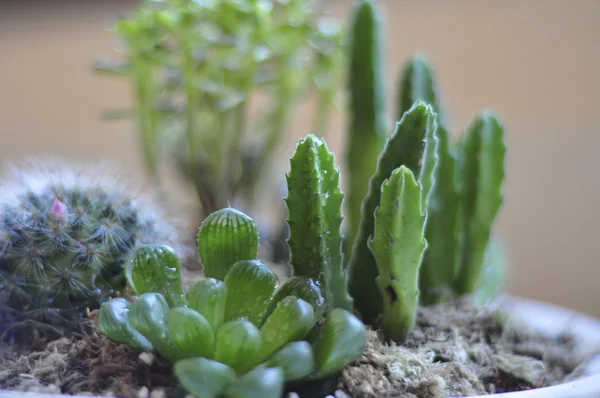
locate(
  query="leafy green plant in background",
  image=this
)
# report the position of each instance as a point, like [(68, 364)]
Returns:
[(240, 336), (460, 184), (64, 237), (197, 67)]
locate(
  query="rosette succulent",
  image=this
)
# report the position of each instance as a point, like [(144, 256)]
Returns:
[(241, 335), (64, 238)]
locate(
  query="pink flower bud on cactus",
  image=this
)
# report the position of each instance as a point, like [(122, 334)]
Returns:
[(58, 211)]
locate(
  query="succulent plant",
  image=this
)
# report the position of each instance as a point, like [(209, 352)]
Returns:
[(314, 205), (65, 235), (215, 56), (460, 186), (240, 336)]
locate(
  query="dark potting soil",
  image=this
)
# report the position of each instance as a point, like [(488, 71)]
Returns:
[(456, 349)]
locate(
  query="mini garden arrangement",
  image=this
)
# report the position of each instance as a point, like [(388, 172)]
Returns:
[(403, 302)]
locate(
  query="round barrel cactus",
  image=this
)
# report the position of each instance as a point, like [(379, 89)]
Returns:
[(64, 238)]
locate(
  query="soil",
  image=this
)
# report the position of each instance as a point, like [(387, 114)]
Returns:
[(454, 349), (460, 349)]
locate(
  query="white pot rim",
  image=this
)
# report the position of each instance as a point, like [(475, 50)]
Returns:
[(548, 318)]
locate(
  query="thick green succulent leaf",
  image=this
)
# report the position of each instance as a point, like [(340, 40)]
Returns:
[(338, 343), (258, 383), (250, 286), (417, 83), (412, 145), (302, 287), (292, 320), (225, 237), (314, 205), (209, 297), (442, 232), (190, 333), (148, 314), (156, 268), (238, 343), (398, 246), (366, 88), (481, 175), (113, 321), (296, 359), (204, 378)]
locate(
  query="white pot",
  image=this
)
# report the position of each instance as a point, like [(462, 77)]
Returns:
[(547, 318)]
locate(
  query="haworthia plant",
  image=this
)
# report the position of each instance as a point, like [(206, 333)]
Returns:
[(481, 173), (314, 205), (368, 127), (225, 237), (160, 272), (237, 337), (398, 245), (412, 145)]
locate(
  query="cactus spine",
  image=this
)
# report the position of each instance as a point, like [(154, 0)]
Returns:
[(412, 145), (398, 245), (481, 173), (314, 204), (65, 234), (368, 129)]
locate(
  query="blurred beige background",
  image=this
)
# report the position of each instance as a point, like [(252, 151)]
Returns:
[(535, 62)]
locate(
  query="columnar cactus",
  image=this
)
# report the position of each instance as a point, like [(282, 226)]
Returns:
[(412, 145), (65, 236), (398, 244), (315, 215), (368, 126), (481, 174)]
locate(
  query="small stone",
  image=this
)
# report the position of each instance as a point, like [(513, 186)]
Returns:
[(147, 358), (144, 392), (158, 393)]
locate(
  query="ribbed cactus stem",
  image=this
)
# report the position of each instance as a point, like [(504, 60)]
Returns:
[(398, 245), (417, 83), (368, 129), (481, 173), (314, 203), (442, 231), (412, 145)]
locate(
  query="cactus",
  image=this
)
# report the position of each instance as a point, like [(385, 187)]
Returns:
[(240, 337), (417, 83), (441, 259), (481, 173), (412, 145), (398, 245), (65, 235), (314, 204), (368, 128)]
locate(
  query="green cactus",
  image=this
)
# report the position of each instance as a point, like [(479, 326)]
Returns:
[(65, 235), (481, 156), (368, 127), (398, 245), (314, 205), (441, 259), (417, 83), (412, 145), (240, 337)]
